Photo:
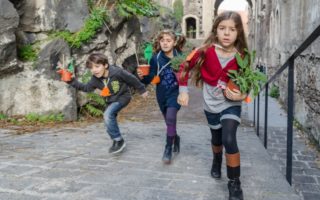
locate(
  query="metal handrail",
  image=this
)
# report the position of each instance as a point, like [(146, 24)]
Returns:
[(290, 65)]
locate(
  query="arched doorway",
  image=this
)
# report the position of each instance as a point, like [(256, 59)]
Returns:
[(191, 27)]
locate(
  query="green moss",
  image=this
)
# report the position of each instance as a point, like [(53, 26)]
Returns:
[(27, 53)]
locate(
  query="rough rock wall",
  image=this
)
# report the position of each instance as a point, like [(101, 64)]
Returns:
[(35, 86), (279, 29), (9, 20)]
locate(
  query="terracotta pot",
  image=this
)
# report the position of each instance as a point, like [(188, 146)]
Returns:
[(145, 69), (231, 85), (66, 76)]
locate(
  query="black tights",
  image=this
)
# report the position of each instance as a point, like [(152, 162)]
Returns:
[(226, 136)]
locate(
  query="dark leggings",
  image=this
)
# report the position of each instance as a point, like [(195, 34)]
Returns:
[(170, 117), (226, 136)]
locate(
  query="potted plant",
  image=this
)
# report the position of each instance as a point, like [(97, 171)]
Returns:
[(67, 71), (145, 68), (246, 79), (178, 60)]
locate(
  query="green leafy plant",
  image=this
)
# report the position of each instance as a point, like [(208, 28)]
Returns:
[(128, 8), (274, 92), (96, 104), (178, 10), (34, 117), (27, 53), (247, 78), (177, 60), (3, 116), (95, 21)]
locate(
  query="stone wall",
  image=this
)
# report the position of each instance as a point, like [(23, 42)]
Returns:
[(278, 29), (34, 87)]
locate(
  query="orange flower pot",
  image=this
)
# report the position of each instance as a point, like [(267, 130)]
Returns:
[(145, 69), (66, 76), (232, 86)]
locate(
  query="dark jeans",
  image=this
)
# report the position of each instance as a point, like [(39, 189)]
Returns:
[(110, 120)]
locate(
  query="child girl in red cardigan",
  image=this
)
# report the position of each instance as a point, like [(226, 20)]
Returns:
[(210, 65)]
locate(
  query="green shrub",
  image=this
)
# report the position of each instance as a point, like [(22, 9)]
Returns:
[(34, 117), (96, 104), (274, 92), (178, 10), (3, 116), (95, 21), (128, 8), (27, 53)]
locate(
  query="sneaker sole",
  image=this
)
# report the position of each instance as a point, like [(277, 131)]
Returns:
[(120, 150)]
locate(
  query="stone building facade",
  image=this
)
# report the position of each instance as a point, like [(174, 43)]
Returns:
[(198, 16), (278, 29)]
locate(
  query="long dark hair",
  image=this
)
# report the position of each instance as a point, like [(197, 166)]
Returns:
[(180, 40), (240, 44)]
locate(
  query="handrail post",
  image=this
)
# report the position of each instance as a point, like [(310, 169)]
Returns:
[(258, 115), (290, 120), (254, 112), (266, 117)]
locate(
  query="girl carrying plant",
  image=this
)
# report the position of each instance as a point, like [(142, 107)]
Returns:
[(166, 45), (222, 106)]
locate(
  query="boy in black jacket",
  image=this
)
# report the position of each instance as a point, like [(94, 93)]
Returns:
[(113, 83)]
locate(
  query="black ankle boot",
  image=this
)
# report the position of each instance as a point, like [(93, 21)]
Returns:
[(167, 154), (216, 165), (235, 191), (176, 144)]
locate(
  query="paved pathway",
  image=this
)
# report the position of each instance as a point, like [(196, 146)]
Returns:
[(306, 160), (73, 164)]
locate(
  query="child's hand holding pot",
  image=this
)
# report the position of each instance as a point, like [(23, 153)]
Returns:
[(183, 99), (234, 95), (65, 74), (140, 74)]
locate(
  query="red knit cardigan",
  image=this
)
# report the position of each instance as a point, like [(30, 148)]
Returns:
[(211, 70)]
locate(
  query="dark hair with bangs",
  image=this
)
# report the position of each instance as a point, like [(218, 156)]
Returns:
[(96, 58)]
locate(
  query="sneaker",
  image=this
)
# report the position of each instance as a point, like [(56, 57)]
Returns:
[(117, 146)]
